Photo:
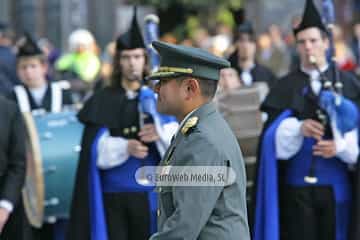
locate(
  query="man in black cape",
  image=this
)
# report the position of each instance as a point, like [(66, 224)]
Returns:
[(313, 180), (108, 201)]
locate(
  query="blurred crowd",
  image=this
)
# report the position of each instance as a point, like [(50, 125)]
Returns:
[(86, 67)]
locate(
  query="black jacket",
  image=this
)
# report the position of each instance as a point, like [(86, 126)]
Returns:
[(104, 108), (12, 151)]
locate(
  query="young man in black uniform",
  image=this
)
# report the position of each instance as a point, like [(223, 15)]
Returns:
[(117, 141), (36, 92), (316, 152), (243, 59)]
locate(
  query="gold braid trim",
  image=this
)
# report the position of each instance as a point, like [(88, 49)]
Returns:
[(176, 70)]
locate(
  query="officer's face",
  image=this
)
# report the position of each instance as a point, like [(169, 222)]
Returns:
[(310, 42), (170, 95), (132, 64), (32, 72)]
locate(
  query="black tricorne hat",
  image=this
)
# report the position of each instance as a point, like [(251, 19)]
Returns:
[(27, 47), (246, 28), (132, 38), (311, 18)]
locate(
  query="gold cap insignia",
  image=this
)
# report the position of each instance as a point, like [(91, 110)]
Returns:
[(190, 123)]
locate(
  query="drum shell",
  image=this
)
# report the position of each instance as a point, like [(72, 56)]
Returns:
[(58, 137), (60, 151)]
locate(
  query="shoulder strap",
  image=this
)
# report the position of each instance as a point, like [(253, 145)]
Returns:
[(22, 99), (56, 98)]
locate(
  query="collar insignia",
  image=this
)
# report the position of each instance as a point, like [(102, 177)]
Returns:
[(189, 124)]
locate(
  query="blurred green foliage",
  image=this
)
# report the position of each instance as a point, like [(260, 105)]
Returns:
[(192, 3), (200, 13)]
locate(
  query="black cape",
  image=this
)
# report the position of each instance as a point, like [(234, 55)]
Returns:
[(287, 94), (107, 107)]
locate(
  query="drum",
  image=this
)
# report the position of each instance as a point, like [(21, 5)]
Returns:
[(53, 147)]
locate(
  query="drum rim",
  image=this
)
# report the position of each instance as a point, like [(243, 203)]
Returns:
[(34, 144)]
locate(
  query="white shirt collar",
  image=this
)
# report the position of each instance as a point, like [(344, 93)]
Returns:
[(314, 72), (315, 77), (249, 68), (38, 93), (246, 78), (131, 94)]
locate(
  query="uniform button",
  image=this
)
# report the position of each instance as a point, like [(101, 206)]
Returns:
[(158, 212)]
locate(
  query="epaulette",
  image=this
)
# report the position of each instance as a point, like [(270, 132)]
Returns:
[(189, 125)]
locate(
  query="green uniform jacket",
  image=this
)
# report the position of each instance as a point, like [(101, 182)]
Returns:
[(204, 212)]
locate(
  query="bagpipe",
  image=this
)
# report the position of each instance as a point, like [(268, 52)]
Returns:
[(152, 34), (335, 109), (147, 97)]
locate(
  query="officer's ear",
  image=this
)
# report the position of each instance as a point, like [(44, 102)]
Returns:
[(192, 87)]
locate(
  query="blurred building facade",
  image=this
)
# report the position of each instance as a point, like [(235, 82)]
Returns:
[(55, 19), (280, 12)]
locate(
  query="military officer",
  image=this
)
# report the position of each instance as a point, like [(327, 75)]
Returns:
[(188, 81)]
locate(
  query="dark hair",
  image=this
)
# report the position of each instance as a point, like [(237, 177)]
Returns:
[(41, 57), (239, 35), (323, 34), (207, 87), (116, 75)]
